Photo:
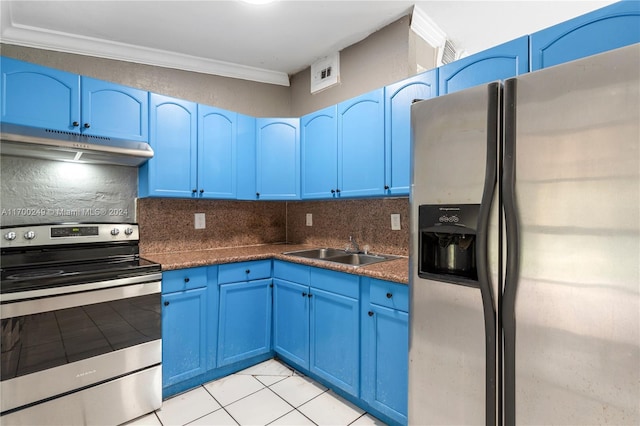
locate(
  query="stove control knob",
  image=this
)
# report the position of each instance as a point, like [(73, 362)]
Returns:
[(10, 236), (29, 235), (115, 231), (128, 231)]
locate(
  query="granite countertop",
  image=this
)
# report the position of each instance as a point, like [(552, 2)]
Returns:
[(396, 270)]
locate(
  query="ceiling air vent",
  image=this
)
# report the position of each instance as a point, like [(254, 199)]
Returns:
[(447, 53), (325, 72)]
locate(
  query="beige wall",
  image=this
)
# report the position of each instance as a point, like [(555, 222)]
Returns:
[(386, 56), (247, 97)]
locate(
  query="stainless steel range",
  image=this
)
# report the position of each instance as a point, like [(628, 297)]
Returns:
[(81, 325)]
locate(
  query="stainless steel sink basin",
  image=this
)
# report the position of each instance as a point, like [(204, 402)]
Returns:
[(320, 253), (341, 256)]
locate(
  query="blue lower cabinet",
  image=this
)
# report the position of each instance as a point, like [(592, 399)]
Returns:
[(184, 335), (245, 320), (186, 309), (189, 325), (291, 321), (385, 349), (335, 329), (316, 323)]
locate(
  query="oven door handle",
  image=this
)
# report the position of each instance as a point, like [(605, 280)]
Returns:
[(70, 300)]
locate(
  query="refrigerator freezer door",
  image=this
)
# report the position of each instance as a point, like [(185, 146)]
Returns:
[(577, 193), (448, 346)]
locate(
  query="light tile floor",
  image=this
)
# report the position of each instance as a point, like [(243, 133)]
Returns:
[(269, 393)]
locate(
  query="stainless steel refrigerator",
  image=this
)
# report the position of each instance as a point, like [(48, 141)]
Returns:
[(525, 249)]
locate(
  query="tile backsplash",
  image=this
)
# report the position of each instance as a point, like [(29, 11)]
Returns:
[(168, 224), (367, 220)]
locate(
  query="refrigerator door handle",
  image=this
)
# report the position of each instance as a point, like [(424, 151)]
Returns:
[(512, 252), (484, 279)]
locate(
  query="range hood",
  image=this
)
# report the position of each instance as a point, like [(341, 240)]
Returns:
[(57, 145)]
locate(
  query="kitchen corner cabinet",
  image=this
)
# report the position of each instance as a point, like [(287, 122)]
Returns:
[(38, 96), (245, 311), (189, 323), (319, 150), (172, 172), (497, 63), (277, 159), (316, 322), (246, 155), (608, 28), (361, 145), (397, 118), (385, 348)]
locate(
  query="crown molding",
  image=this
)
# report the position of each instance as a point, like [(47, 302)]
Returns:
[(27, 36), (426, 28)]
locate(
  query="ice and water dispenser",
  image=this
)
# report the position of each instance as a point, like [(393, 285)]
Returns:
[(447, 243)]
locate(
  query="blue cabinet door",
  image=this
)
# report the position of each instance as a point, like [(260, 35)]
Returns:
[(397, 118), (497, 63), (184, 335), (278, 159), (113, 110), (361, 145), (605, 29), (245, 321), (172, 172), (334, 349), (38, 96), (291, 321), (385, 375), (217, 132), (319, 148)]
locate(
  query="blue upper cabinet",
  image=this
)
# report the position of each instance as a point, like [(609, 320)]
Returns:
[(397, 119), (38, 96), (113, 110), (246, 155), (195, 150), (605, 29), (498, 63), (172, 172), (277, 159), (361, 145), (319, 146), (217, 134)]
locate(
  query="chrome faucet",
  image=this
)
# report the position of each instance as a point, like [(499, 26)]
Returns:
[(353, 246)]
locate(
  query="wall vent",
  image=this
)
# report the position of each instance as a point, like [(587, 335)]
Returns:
[(325, 72), (447, 53)]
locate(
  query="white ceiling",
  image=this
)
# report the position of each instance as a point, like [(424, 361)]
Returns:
[(258, 42)]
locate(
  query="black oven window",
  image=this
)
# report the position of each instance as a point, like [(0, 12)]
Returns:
[(44, 340)]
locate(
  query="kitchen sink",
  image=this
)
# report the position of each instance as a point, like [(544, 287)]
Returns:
[(341, 256), (320, 253)]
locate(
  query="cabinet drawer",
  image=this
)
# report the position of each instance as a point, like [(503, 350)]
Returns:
[(184, 279), (291, 272), (244, 271), (391, 295), (336, 282)]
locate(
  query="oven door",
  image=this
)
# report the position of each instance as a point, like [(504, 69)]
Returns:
[(54, 345)]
